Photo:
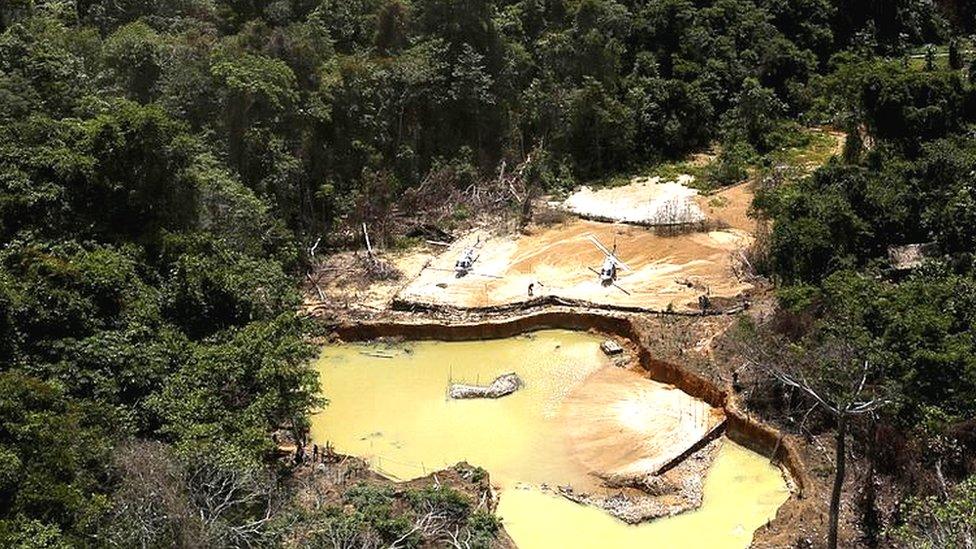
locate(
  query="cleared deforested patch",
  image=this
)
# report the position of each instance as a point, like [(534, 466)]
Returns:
[(666, 272), (646, 201)]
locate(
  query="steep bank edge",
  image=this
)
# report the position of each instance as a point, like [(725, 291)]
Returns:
[(740, 427)]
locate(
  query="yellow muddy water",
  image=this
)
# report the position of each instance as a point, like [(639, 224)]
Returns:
[(395, 411), (389, 404), (742, 492)]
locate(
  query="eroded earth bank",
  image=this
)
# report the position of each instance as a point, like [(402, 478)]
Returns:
[(636, 438), (651, 445)]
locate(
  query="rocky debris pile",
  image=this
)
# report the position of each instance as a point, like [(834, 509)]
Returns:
[(503, 385), (639, 499)]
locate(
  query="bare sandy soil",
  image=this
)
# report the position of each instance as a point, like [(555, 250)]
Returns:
[(627, 426), (730, 207), (666, 272)]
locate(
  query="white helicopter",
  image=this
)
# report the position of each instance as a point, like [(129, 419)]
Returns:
[(465, 263), (608, 272)]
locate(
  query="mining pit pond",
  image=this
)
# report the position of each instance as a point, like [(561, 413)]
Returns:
[(388, 404)]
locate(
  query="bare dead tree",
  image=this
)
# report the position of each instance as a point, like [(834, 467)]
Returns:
[(233, 504), (837, 377), (150, 507), (343, 535), (460, 538), (522, 192), (163, 500)]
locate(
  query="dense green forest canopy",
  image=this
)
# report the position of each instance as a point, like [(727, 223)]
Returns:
[(312, 105), (162, 164)]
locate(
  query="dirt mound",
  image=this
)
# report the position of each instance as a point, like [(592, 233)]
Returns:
[(654, 496), (645, 201)]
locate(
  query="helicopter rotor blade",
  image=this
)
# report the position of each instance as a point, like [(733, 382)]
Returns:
[(617, 286), (486, 275), (621, 263), (599, 245), (608, 253)]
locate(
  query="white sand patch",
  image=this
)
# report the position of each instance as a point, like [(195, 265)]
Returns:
[(644, 201)]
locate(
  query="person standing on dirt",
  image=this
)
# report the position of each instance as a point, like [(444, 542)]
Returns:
[(531, 288)]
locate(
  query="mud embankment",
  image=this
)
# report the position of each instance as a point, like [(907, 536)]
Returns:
[(718, 306), (739, 426)]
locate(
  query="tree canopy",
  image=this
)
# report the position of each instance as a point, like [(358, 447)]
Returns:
[(163, 162)]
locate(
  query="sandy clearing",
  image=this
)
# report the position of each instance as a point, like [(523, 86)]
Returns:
[(730, 207), (644, 201), (626, 426), (667, 271)]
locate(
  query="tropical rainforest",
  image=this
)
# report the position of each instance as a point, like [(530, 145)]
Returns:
[(166, 165)]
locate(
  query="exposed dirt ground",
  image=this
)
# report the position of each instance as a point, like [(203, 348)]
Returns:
[(665, 272), (343, 282), (628, 426), (675, 491), (703, 345), (669, 273), (730, 207)]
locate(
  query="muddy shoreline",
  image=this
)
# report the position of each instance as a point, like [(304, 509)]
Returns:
[(739, 426), (668, 337)]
